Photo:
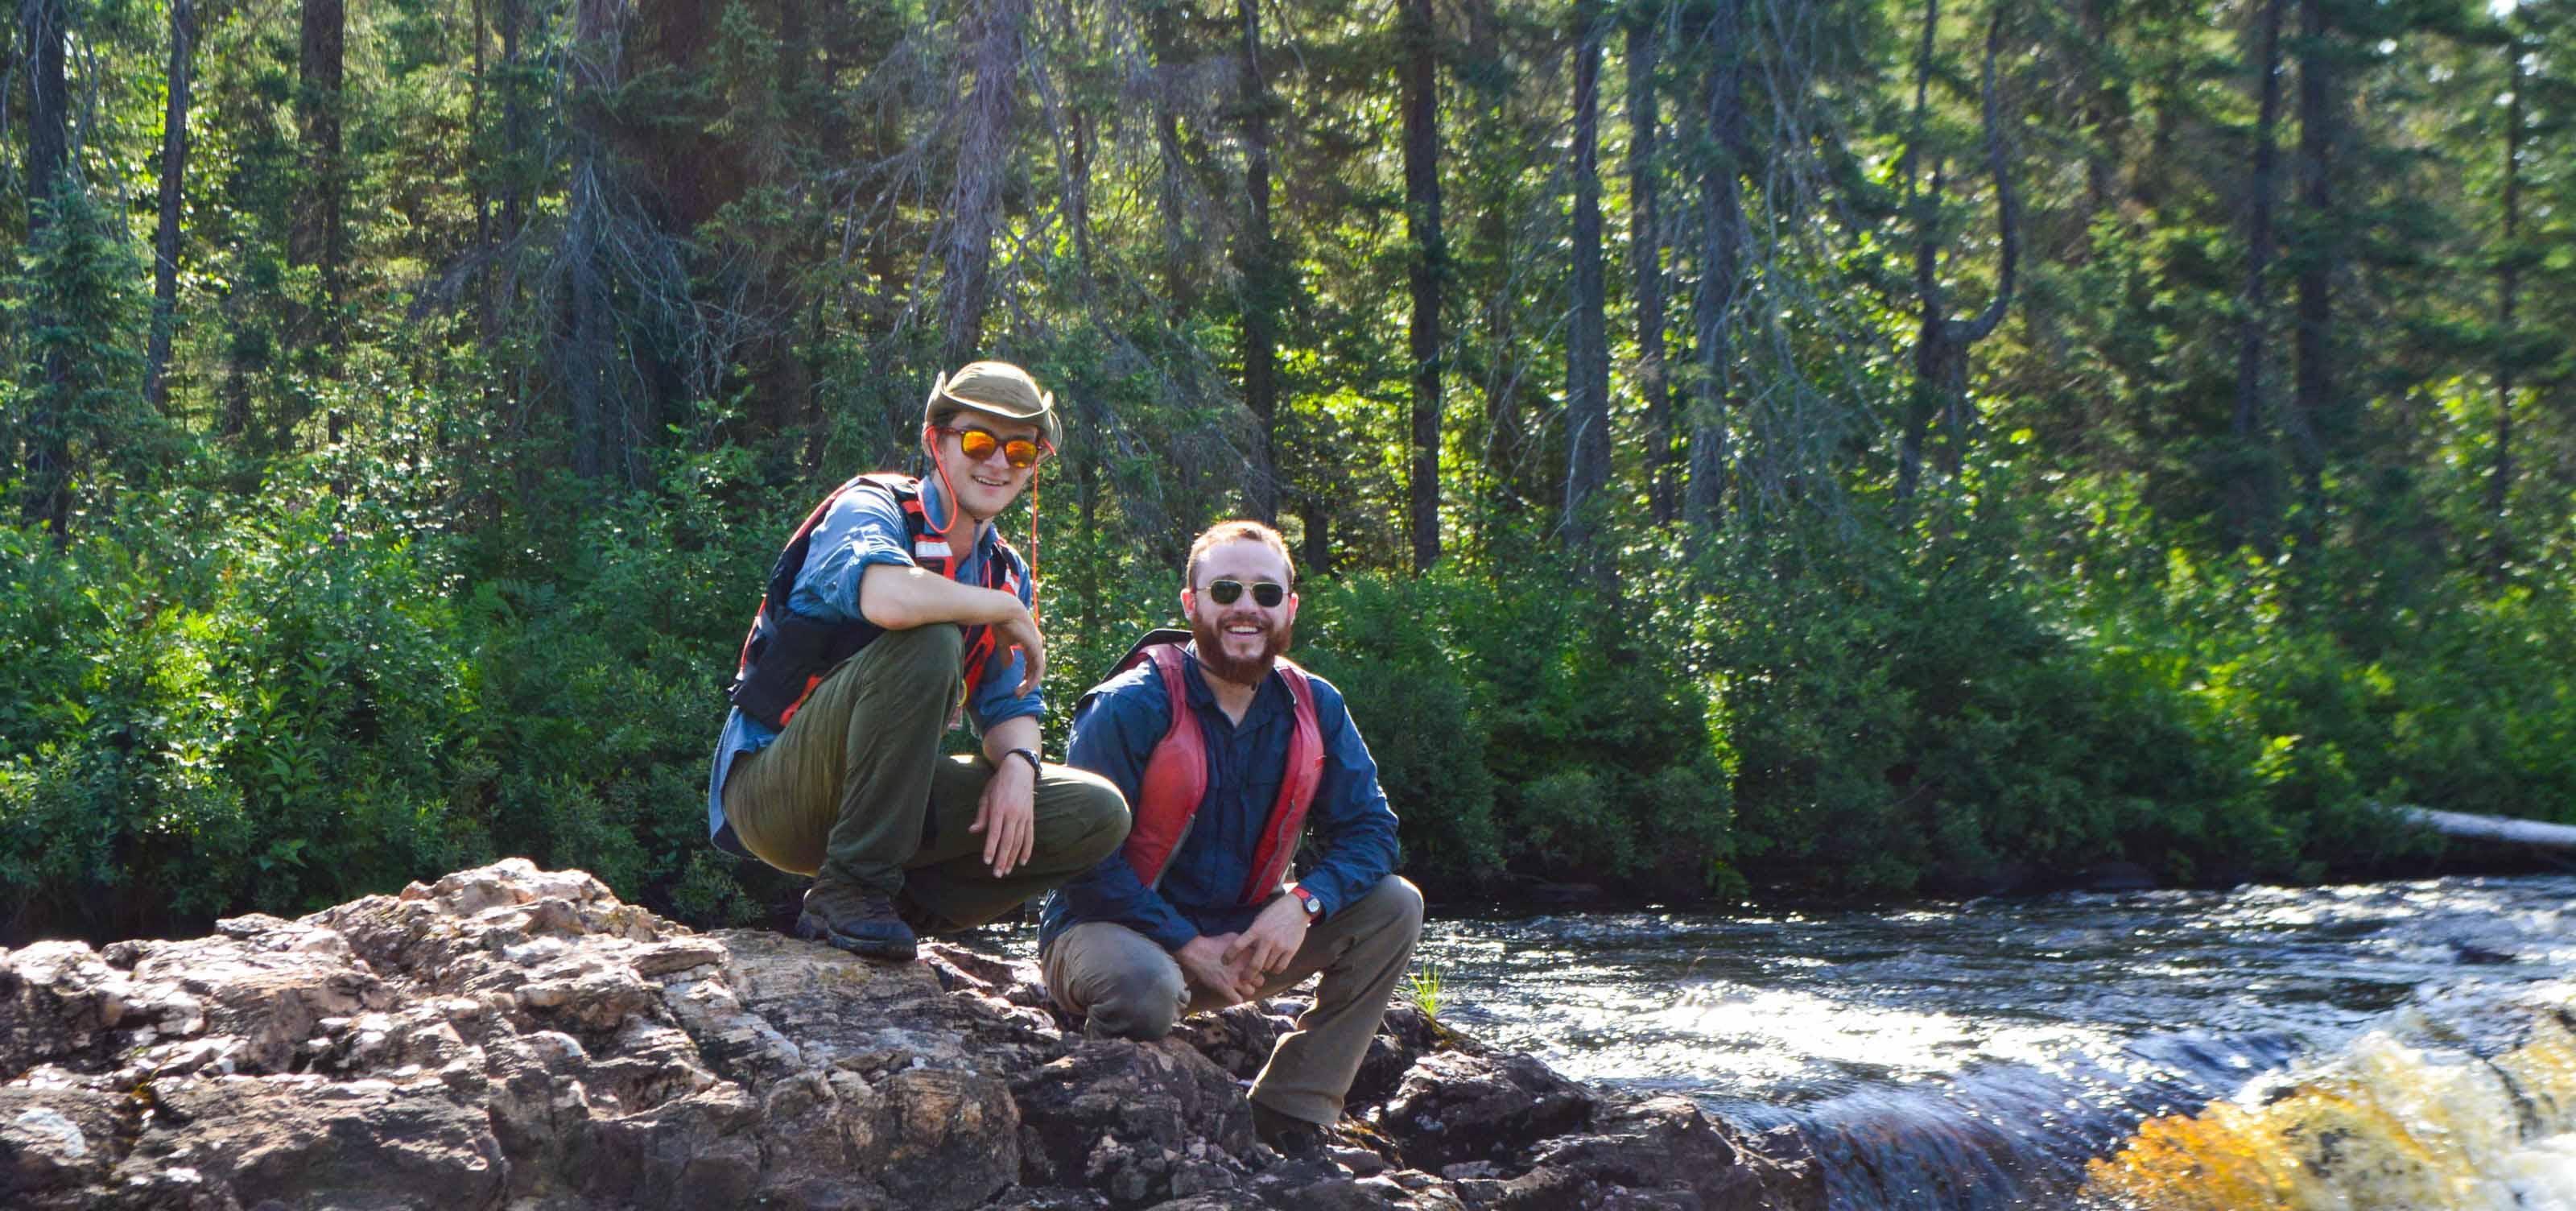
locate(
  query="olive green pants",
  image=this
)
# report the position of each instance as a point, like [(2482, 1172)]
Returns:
[(855, 786), (1130, 987)]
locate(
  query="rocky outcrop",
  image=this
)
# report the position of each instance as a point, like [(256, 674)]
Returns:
[(510, 1037)]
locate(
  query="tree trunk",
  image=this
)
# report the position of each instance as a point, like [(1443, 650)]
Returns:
[(44, 30), (589, 334), (487, 325), (2314, 343), (1258, 262), (2104, 120), (1179, 267), (1931, 309), (2508, 285), (983, 163), (1077, 142), (1430, 266), (1645, 256), (1942, 344), (246, 357), (1959, 415), (2247, 478), (174, 179), (1507, 440), (1315, 557), (1587, 397), (316, 241), (1722, 241), (1931, 335), (517, 134)]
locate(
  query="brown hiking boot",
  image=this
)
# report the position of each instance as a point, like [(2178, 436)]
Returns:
[(840, 914)]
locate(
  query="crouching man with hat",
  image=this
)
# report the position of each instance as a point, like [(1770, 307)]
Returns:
[(1229, 754), (896, 597)]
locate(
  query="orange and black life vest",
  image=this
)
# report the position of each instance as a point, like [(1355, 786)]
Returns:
[(1176, 776), (786, 654)]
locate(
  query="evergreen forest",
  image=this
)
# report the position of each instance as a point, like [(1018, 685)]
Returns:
[(1731, 448)]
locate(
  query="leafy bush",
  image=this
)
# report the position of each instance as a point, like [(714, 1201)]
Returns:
[(218, 702), (1929, 720), (1381, 643), (1514, 727), (263, 713), (302, 701)]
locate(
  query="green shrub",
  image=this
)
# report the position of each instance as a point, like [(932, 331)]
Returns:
[(1516, 726), (1381, 641), (351, 679)]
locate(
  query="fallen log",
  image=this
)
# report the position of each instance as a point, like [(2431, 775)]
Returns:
[(2463, 826)]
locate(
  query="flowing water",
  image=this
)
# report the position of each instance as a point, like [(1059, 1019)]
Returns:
[(2395, 1045)]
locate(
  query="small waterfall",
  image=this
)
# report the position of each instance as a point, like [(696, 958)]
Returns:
[(2433, 1111), (2454, 1104), (2010, 1135)]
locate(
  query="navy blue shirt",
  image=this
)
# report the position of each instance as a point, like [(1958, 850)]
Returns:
[(1115, 729)]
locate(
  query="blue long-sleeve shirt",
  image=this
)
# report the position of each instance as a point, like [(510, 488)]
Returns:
[(1115, 729), (865, 528)]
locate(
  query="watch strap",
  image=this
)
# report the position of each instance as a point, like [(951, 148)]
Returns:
[(1031, 755), (1314, 906)]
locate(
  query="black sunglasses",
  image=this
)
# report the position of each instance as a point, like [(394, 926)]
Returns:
[(1266, 593)]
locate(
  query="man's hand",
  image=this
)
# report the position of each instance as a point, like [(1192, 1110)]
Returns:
[(1203, 959), (1021, 631), (1273, 938), (1007, 816)]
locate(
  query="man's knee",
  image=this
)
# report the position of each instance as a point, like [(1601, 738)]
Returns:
[(1398, 902), (1096, 816), (921, 661), (1140, 1003)]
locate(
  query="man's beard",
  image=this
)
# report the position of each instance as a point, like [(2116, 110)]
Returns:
[(1211, 642)]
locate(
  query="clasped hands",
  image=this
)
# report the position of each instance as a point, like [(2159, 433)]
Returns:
[(1235, 965)]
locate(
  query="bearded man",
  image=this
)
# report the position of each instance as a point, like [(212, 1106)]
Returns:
[(1227, 753), (895, 599)]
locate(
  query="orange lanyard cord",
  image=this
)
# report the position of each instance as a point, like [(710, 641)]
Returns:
[(1033, 544)]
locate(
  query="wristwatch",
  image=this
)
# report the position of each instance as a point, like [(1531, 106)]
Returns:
[(1314, 907), (1032, 755)]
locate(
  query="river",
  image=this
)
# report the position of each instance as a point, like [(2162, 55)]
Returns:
[(2392, 1045), (2399, 1046)]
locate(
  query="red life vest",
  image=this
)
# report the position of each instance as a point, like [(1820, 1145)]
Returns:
[(1176, 778), (786, 655)]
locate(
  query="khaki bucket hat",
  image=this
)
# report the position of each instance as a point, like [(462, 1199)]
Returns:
[(997, 389)]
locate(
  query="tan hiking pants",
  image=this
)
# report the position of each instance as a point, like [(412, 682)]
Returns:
[(1132, 988)]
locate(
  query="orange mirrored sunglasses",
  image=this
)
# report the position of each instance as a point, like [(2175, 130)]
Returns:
[(977, 445)]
